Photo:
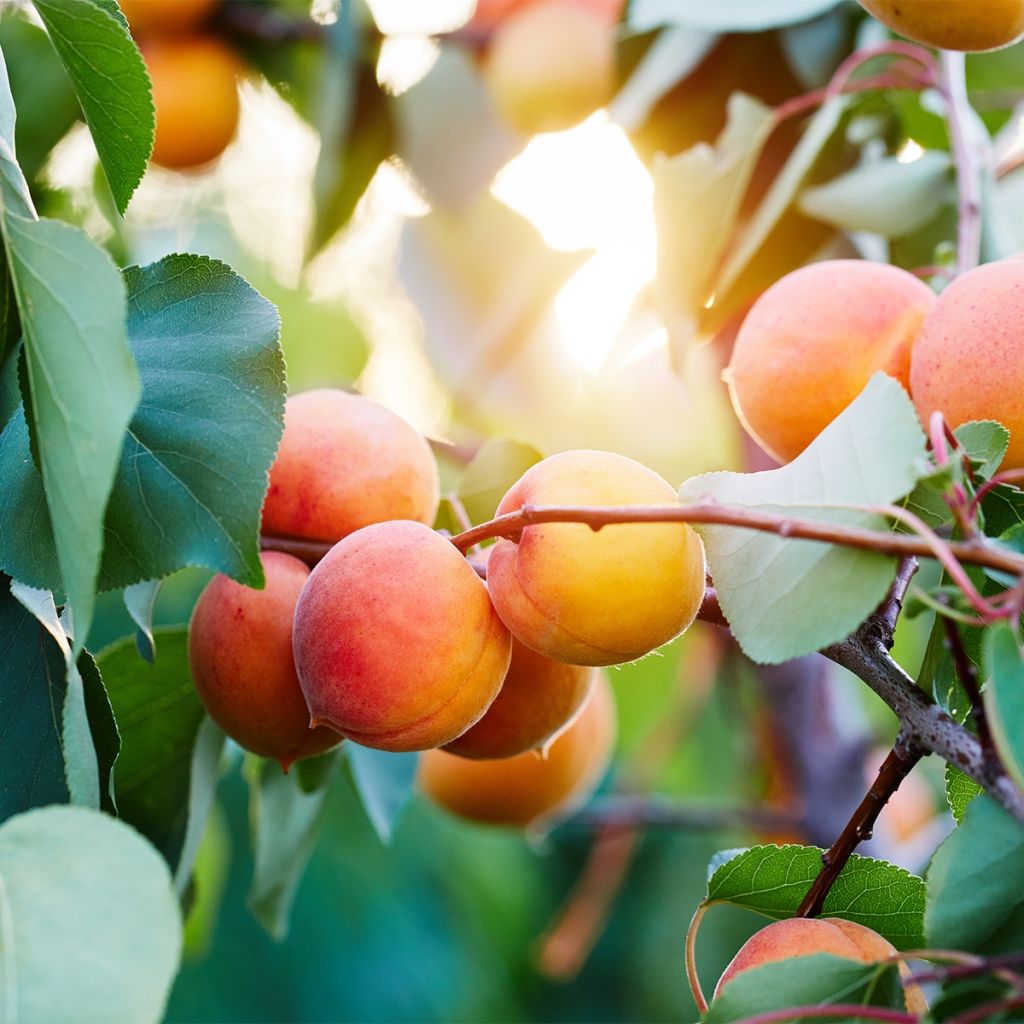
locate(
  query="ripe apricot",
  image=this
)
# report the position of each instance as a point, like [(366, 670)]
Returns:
[(812, 341), (165, 17), (529, 787), (550, 65), (538, 699), (972, 25), (489, 14), (595, 598), (396, 642), (195, 94), (968, 361), (803, 936), (240, 653), (345, 462)]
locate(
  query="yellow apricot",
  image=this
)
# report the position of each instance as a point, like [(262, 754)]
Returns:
[(240, 653), (811, 342), (195, 93), (968, 360), (345, 462), (550, 65), (527, 788), (595, 598), (971, 25), (165, 17)]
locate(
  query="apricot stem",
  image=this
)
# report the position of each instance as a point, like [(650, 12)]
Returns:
[(691, 959)]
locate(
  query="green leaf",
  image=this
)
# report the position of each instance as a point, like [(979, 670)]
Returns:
[(286, 823), (772, 880), (784, 597), (13, 186), (974, 889), (887, 197), (385, 783), (498, 464), (818, 980), (735, 16), (193, 470), (697, 197), (205, 771), (1004, 697), (82, 384), (961, 789), (159, 714), (985, 442), (112, 84), (140, 600), (91, 926)]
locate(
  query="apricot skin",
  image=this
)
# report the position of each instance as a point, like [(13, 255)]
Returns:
[(345, 462), (802, 936), (968, 361), (240, 653), (396, 643), (165, 17), (595, 598), (528, 788), (549, 66), (970, 25), (195, 93), (812, 341), (538, 699)]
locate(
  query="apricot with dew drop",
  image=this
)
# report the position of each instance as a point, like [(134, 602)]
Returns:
[(971, 25), (345, 462), (396, 642), (240, 653), (527, 788)]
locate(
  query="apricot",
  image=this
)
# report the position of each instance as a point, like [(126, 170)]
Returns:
[(489, 14), (240, 653), (538, 699), (804, 936), (968, 361), (811, 342), (165, 17), (396, 642), (527, 788), (972, 25), (595, 598), (550, 65), (345, 462), (195, 93)]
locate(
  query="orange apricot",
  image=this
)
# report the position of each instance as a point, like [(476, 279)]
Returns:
[(489, 14), (165, 17), (811, 342), (195, 93), (550, 65), (345, 462), (595, 598), (396, 642), (530, 787), (538, 699), (240, 653), (968, 360), (971, 25)]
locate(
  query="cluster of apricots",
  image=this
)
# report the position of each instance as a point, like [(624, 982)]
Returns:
[(395, 641), (194, 74), (811, 341)]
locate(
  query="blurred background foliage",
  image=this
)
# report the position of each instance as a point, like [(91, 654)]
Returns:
[(487, 284)]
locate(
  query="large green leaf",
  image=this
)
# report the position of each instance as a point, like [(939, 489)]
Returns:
[(13, 186), (784, 597), (193, 468), (384, 782), (112, 85), (82, 387), (91, 927), (772, 880), (1004, 697)]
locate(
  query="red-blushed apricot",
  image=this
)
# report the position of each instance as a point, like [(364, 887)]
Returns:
[(345, 462), (595, 598), (527, 788), (803, 936), (971, 25), (165, 17), (240, 653), (195, 93), (811, 342), (968, 360), (538, 699), (549, 66), (396, 642)]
